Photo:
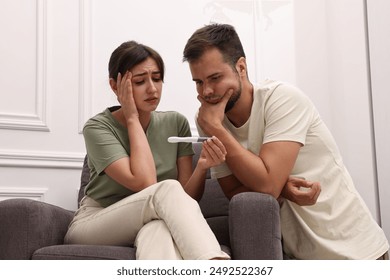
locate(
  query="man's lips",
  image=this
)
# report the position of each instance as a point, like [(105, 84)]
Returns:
[(213, 100)]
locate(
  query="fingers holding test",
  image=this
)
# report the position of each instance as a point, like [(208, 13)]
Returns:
[(214, 150)]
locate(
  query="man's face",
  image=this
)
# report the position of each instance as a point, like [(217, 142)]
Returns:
[(214, 78)]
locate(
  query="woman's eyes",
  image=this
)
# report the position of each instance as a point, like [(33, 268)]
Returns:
[(141, 82)]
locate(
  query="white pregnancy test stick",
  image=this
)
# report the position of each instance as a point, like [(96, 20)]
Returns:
[(174, 139)]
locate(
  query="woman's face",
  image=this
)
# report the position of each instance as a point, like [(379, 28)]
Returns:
[(147, 85)]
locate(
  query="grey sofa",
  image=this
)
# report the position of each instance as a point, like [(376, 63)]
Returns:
[(247, 227)]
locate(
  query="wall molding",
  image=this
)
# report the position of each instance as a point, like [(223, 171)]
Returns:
[(33, 159), (20, 192), (85, 82), (37, 121)]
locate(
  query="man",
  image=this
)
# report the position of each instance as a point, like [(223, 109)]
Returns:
[(272, 131)]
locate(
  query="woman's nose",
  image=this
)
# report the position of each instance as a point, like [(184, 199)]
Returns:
[(152, 87)]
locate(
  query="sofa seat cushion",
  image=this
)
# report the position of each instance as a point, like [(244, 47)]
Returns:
[(84, 252), (90, 252)]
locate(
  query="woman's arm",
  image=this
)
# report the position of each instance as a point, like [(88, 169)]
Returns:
[(137, 171), (213, 153)]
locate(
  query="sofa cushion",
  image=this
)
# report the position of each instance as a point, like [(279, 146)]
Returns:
[(84, 180), (84, 252), (90, 252), (213, 202)]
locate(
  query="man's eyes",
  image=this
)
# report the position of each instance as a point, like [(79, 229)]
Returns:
[(212, 79)]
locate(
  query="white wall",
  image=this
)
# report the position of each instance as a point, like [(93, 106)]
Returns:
[(54, 77), (41, 150), (379, 46), (331, 66)]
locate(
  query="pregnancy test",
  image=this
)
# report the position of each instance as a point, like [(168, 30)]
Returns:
[(174, 139)]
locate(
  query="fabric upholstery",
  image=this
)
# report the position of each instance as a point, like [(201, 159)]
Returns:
[(84, 252), (27, 225), (255, 230)]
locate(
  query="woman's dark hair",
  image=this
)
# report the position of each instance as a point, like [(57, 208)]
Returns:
[(220, 36), (130, 54)]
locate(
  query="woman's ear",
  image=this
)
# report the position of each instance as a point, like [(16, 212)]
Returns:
[(113, 85)]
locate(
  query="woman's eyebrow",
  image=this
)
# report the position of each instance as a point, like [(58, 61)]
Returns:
[(145, 73)]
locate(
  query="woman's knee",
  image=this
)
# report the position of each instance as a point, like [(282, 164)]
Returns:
[(170, 186), (171, 189)]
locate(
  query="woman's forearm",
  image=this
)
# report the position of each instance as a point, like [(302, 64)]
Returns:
[(195, 184), (142, 164)]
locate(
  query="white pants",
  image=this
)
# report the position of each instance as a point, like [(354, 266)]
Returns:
[(162, 221)]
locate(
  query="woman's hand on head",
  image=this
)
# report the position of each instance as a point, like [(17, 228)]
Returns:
[(124, 92), (213, 153)]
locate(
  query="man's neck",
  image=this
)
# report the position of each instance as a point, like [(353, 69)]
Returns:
[(241, 111)]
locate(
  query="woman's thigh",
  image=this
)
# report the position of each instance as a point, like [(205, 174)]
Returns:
[(117, 224)]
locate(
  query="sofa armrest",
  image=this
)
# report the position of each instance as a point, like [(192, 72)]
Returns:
[(27, 225), (254, 226)]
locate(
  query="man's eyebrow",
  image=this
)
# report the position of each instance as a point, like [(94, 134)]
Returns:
[(212, 75)]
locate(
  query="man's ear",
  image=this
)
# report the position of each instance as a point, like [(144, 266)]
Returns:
[(241, 66), (113, 85)]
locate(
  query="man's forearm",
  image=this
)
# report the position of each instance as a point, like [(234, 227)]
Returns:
[(247, 167)]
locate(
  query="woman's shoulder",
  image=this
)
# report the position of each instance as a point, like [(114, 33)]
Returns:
[(102, 119)]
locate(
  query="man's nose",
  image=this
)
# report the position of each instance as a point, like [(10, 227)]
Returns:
[(207, 90)]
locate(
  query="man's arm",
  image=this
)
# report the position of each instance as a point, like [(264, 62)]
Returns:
[(300, 191), (267, 172)]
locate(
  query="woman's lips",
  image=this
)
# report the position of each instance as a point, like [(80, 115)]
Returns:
[(152, 100)]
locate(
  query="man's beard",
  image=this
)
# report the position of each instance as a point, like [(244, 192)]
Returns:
[(233, 99)]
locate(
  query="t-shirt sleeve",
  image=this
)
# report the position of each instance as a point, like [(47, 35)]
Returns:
[(288, 114), (103, 148)]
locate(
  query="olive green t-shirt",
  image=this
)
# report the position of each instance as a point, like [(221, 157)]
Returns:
[(107, 140)]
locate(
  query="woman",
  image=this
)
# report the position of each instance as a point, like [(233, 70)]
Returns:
[(142, 189)]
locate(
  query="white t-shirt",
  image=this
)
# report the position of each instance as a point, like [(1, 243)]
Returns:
[(339, 225)]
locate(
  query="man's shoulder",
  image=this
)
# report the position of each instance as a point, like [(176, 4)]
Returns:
[(267, 85)]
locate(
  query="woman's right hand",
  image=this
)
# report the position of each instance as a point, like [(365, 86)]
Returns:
[(125, 96)]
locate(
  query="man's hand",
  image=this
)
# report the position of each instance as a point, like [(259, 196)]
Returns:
[(211, 114), (213, 153), (300, 191)]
